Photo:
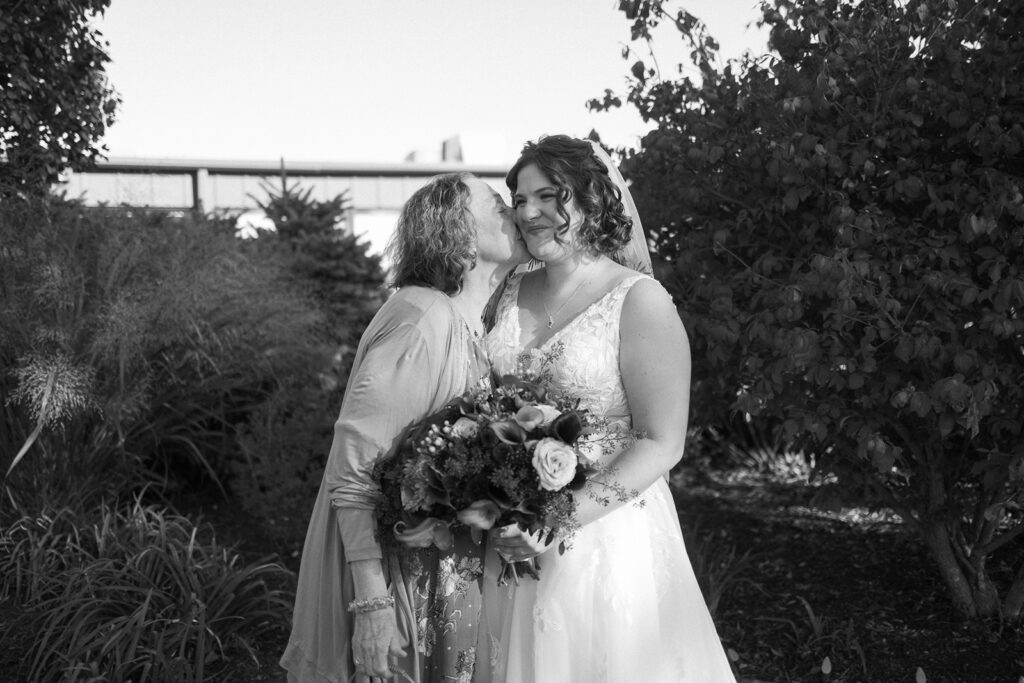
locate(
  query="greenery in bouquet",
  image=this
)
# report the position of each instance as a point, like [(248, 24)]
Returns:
[(511, 454)]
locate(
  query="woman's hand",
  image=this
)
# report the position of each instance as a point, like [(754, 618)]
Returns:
[(374, 633), (516, 544), (375, 642)]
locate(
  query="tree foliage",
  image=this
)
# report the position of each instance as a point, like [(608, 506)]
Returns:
[(284, 445), (330, 261), (842, 222), (55, 101)]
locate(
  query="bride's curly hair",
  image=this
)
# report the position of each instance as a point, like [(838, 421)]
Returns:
[(578, 174), (434, 244)]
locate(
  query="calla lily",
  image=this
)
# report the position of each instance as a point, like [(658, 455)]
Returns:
[(436, 491), (566, 427), (430, 531), (508, 431), (481, 514), (529, 417), (580, 480), (500, 497), (466, 405)]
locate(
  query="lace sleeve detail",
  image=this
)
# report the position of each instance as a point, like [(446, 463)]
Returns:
[(502, 342)]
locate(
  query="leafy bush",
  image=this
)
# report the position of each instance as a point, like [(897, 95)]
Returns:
[(135, 342), (843, 224), (284, 445), (744, 444), (137, 594), (283, 448)]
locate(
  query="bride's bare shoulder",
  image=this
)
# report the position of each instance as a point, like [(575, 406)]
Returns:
[(648, 302)]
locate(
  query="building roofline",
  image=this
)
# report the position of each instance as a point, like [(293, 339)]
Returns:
[(297, 168)]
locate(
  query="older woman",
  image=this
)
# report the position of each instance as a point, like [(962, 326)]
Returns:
[(622, 603), (359, 610)]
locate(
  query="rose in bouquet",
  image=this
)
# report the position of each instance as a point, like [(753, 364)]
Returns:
[(492, 457)]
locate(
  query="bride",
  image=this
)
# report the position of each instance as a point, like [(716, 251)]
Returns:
[(622, 603)]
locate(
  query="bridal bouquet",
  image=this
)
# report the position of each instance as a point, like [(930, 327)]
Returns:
[(509, 455)]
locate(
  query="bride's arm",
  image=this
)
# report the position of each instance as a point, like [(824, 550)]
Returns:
[(654, 359)]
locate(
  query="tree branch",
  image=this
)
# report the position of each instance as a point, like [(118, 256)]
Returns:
[(1013, 604), (733, 200), (1002, 540), (959, 544), (978, 522)]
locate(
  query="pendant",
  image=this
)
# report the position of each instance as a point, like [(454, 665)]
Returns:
[(551, 322)]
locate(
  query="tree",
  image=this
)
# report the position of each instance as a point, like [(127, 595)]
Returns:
[(842, 223), (55, 101), (284, 446), (332, 263)]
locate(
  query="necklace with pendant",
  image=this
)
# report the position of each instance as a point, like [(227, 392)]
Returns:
[(550, 315)]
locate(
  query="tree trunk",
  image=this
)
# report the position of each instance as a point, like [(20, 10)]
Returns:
[(1013, 606), (986, 594), (936, 537), (972, 597), (964, 572)]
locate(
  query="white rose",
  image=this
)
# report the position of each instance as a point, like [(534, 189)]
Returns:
[(555, 464), (465, 428)]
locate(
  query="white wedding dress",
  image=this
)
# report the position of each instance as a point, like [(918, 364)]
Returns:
[(622, 604)]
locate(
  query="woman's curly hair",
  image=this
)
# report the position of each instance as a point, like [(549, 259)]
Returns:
[(434, 244), (578, 174)]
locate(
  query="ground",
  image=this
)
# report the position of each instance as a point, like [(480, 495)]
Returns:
[(793, 586), (852, 586)]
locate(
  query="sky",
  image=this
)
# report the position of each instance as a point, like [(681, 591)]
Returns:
[(372, 81)]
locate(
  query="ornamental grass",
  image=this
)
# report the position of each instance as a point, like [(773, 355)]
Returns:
[(136, 593)]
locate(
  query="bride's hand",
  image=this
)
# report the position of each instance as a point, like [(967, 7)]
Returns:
[(516, 544)]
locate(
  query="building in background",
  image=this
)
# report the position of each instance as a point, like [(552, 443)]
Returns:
[(376, 192), (476, 148)]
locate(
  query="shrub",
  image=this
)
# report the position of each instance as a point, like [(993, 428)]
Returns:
[(842, 223), (135, 594), (134, 341), (282, 451), (283, 446)]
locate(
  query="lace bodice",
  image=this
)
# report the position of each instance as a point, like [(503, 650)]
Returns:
[(582, 358)]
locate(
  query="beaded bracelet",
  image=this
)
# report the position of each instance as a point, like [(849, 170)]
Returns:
[(371, 604)]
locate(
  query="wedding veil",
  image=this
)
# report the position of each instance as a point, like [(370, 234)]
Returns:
[(635, 254)]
